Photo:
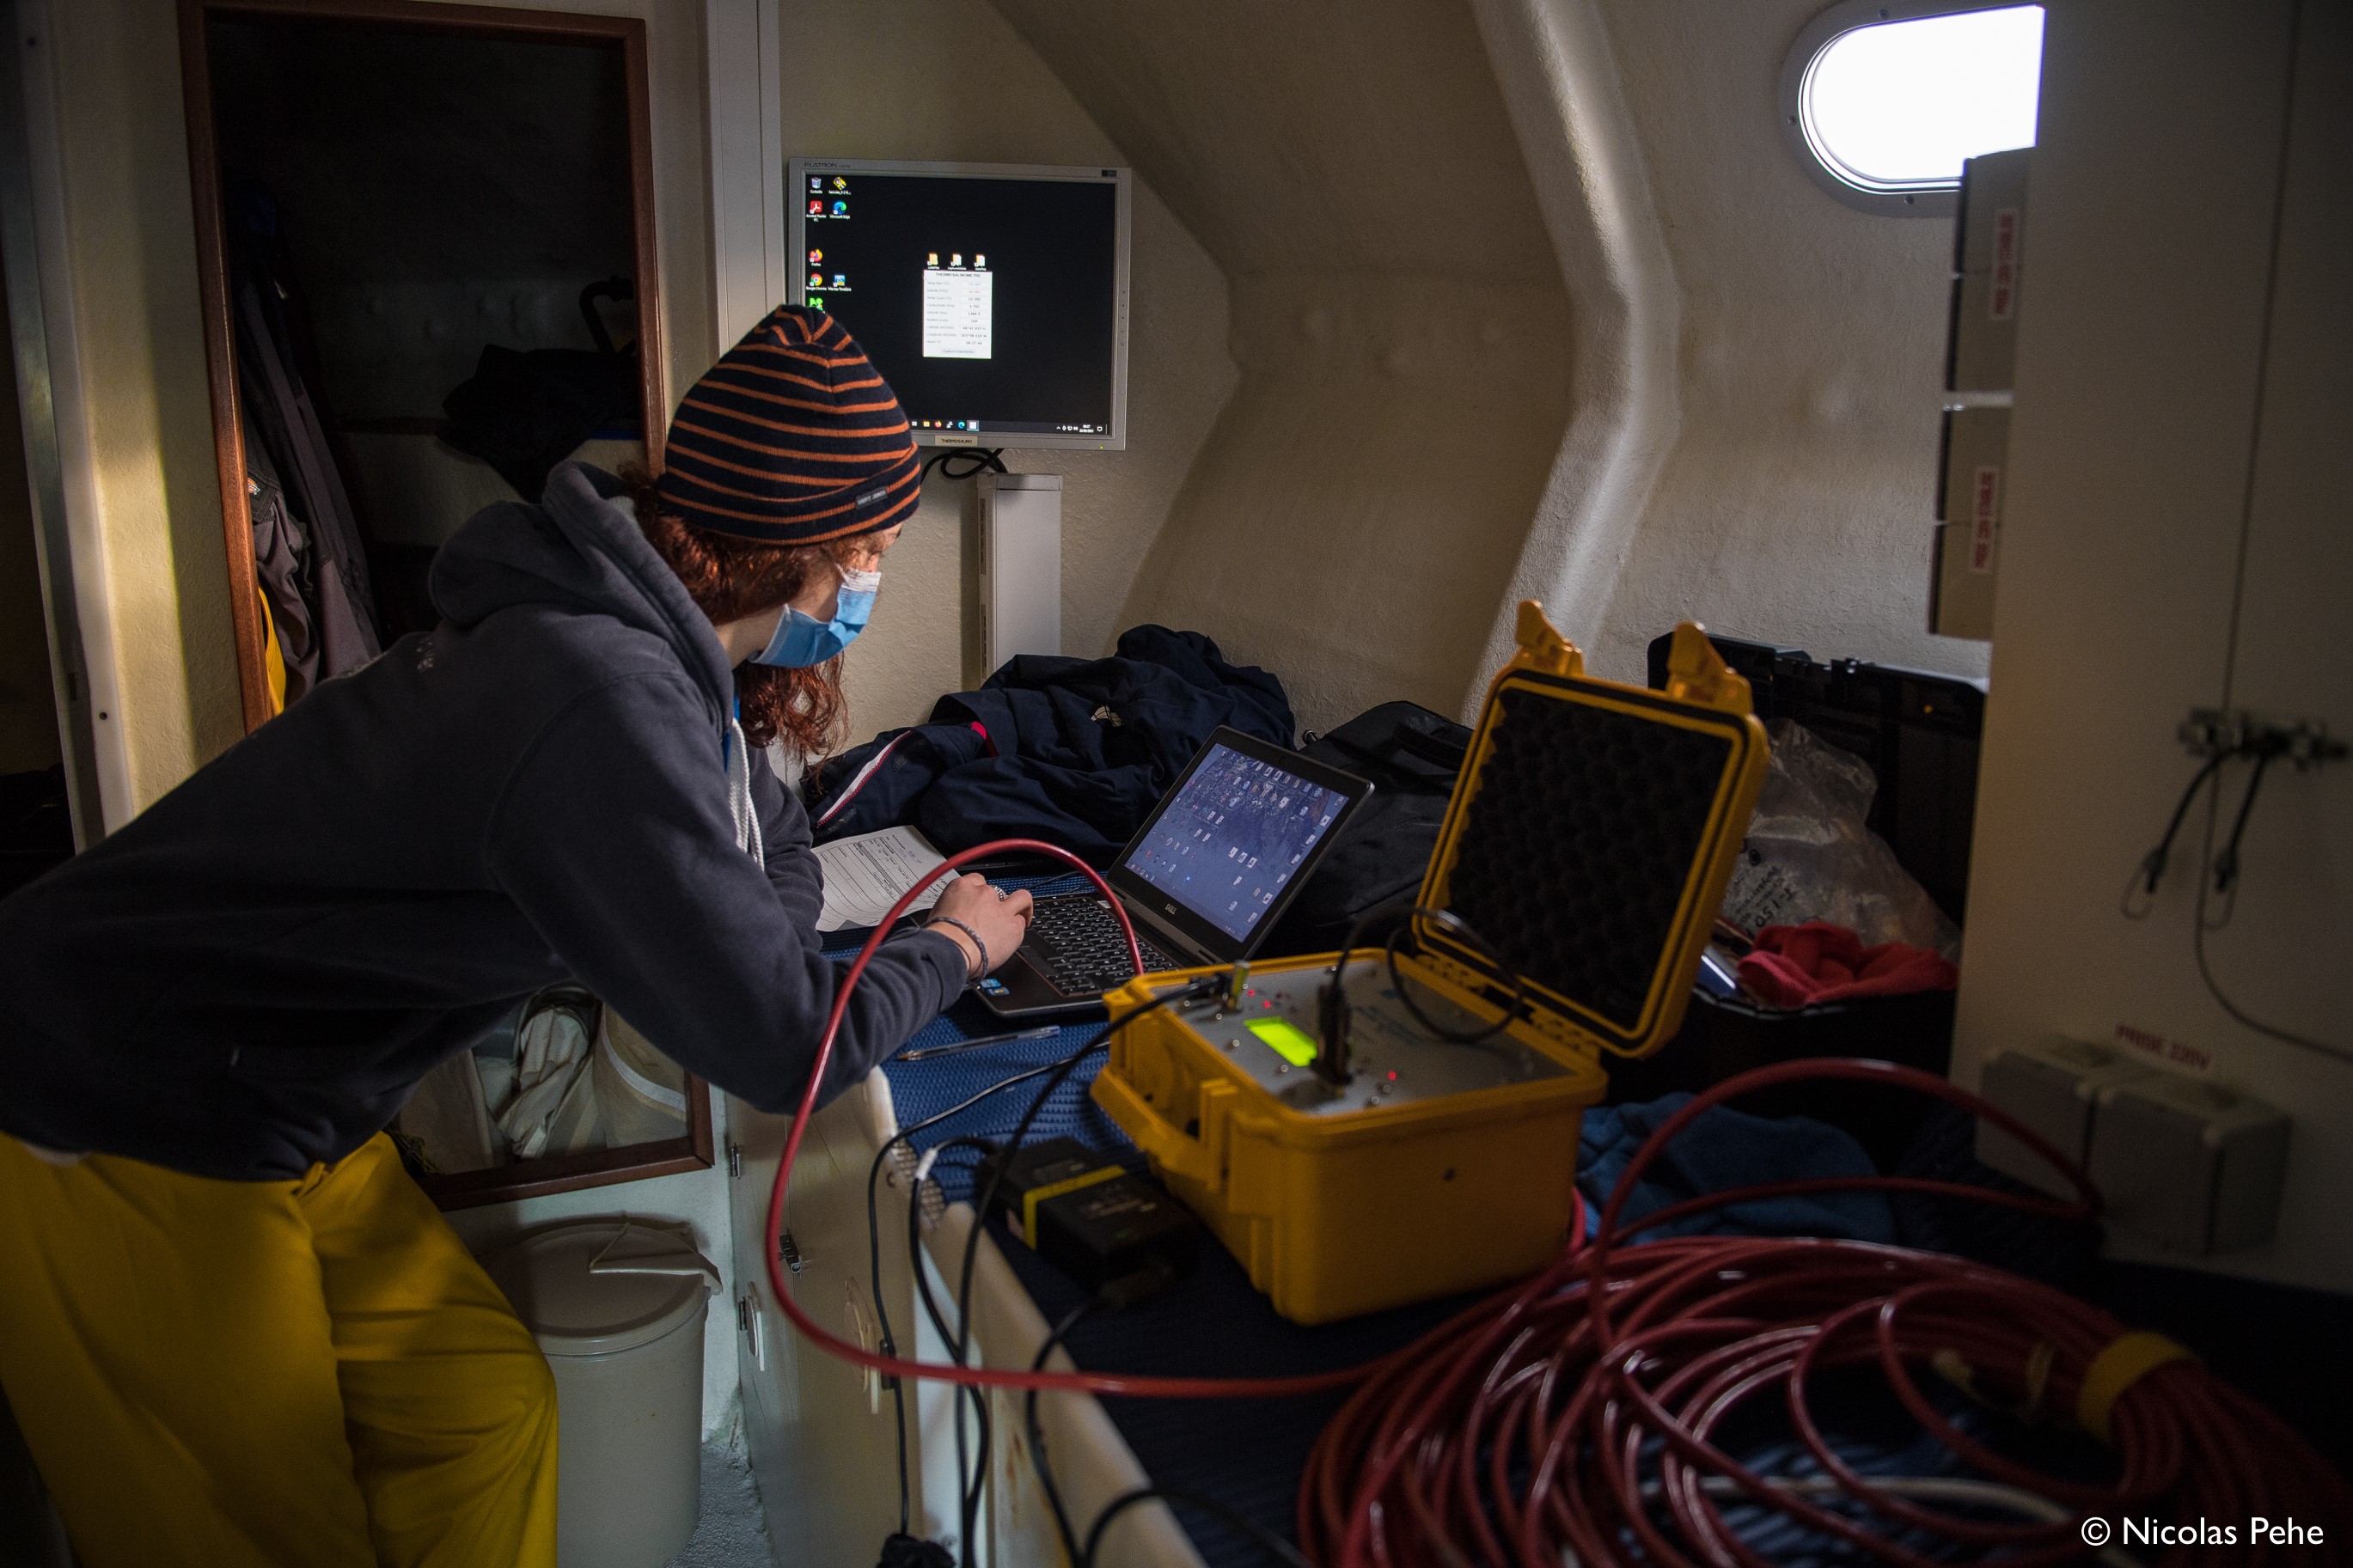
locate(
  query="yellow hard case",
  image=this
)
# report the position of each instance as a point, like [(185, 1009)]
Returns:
[(1339, 1215)]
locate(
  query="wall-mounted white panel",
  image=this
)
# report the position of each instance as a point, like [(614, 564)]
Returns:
[(2174, 538), (1021, 562)]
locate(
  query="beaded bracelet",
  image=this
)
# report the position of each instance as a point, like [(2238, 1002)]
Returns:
[(974, 977)]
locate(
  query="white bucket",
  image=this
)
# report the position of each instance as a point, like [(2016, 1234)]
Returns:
[(617, 1308)]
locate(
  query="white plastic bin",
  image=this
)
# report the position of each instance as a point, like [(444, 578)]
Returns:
[(617, 1308)]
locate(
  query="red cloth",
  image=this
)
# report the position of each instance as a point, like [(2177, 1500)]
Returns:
[(1818, 961)]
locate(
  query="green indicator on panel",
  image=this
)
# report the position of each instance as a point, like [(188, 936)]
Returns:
[(1285, 1039)]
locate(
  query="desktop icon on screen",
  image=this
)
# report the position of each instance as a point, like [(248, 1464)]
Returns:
[(815, 184), (816, 257), (978, 259), (955, 258), (841, 209), (817, 281), (841, 280), (839, 183), (817, 209), (931, 258)]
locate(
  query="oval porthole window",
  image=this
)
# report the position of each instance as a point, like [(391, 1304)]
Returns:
[(1884, 101)]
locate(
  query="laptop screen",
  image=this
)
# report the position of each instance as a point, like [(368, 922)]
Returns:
[(1234, 836)]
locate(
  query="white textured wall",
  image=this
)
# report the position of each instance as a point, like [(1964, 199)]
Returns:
[(1399, 318), (1796, 504), (949, 79)]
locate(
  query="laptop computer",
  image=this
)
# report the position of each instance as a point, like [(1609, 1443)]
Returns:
[(1204, 880)]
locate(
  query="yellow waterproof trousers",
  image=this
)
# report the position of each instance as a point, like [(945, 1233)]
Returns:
[(312, 1372)]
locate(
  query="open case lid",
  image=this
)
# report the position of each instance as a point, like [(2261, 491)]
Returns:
[(1591, 835)]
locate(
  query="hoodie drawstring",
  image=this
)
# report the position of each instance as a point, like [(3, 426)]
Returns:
[(738, 756)]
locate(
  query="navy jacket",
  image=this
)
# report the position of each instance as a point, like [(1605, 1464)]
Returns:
[(253, 973), (1073, 751)]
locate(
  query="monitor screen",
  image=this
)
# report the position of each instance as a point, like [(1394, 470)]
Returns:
[(1229, 844), (993, 299)]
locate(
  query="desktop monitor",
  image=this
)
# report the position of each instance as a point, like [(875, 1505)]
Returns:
[(992, 296)]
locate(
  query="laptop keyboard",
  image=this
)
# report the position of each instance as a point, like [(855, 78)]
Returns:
[(1077, 941)]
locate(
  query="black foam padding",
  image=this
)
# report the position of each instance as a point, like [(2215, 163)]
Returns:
[(1576, 849)]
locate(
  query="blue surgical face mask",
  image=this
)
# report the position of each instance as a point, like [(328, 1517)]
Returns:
[(802, 640)]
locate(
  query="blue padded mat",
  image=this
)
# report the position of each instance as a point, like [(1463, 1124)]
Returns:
[(1248, 1453)]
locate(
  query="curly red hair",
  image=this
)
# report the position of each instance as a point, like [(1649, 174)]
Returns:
[(730, 578)]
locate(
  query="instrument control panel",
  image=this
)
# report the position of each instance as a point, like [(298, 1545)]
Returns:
[(1271, 1033)]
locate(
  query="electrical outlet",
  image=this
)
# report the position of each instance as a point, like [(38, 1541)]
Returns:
[(2194, 1166), (2052, 1086)]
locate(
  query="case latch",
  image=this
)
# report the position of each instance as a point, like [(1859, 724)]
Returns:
[(1541, 645), (1697, 673)]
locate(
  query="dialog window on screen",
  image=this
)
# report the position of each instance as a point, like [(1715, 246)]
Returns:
[(1234, 837), (958, 312), (988, 304)]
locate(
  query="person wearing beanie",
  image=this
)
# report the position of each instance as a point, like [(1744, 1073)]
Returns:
[(232, 1328)]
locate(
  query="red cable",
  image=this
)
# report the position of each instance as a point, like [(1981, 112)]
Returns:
[(981, 1376), (1574, 1417)]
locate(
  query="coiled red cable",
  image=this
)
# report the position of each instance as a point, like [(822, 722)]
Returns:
[(1575, 1418)]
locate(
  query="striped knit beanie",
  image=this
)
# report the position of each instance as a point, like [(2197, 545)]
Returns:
[(793, 437)]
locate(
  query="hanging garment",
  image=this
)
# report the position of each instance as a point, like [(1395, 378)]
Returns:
[(283, 431), (281, 570), (1073, 751)]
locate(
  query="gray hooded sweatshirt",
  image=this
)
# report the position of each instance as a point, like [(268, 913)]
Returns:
[(253, 973)]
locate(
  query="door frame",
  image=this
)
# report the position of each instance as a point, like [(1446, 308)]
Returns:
[(61, 473), (212, 252)]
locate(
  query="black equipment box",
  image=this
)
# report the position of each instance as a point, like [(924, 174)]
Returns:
[(1919, 731)]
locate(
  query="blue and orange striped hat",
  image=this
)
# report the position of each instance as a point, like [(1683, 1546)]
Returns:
[(793, 437)]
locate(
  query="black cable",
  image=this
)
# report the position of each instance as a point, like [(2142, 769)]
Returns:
[(973, 1399), (1457, 926), (1276, 1547), (1332, 1002), (1004, 1161), (978, 460), (875, 1257), (2152, 864), (2226, 865), (1037, 1437), (2199, 926), (2248, 490)]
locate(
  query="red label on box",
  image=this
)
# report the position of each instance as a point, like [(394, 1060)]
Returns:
[(1985, 517), (2003, 302)]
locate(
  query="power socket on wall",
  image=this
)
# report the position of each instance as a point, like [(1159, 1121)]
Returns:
[(2194, 1166)]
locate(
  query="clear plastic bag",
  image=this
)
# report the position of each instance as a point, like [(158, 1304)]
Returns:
[(1810, 858)]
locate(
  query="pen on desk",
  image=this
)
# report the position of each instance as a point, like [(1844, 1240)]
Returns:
[(952, 1049)]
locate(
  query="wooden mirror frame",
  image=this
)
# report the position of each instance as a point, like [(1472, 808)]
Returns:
[(535, 1178), (212, 247), (590, 1168)]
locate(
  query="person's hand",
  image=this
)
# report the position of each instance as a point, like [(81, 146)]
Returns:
[(1000, 918)]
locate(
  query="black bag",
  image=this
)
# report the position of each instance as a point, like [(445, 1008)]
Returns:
[(1412, 757)]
